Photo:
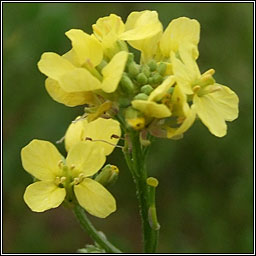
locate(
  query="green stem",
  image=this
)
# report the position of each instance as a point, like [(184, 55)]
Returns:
[(93, 233), (136, 164)]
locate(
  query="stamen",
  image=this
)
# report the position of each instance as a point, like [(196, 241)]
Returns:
[(72, 166), (60, 164), (209, 72), (196, 88), (62, 179)]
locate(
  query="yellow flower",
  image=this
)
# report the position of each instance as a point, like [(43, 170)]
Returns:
[(140, 26), (59, 178), (151, 107), (74, 73), (106, 132), (143, 30), (213, 103), (180, 31)]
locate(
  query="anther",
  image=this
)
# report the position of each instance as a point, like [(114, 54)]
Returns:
[(60, 164), (196, 88), (72, 166)]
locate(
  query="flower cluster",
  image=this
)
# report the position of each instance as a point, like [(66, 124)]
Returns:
[(162, 94)]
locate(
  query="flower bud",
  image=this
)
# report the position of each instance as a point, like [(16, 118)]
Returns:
[(134, 119), (157, 78), (147, 89), (141, 78), (122, 45), (146, 70), (133, 69), (161, 68), (127, 84), (108, 175), (141, 96), (152, 65)]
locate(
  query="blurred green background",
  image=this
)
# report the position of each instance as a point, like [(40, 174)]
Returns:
[(205, 196)]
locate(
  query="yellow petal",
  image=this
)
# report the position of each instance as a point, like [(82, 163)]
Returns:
[(108, 28), (190, 118), (75, 133), (147, 46), (70, 99), (141, 25), (162, 89), (41, 196), (214, 108), (72, 57), (180, 31), (112, 73), (54, 66), (183, 74), (87, 157), (85, 46), (78, 80), (150, 108), (110, 127), (94, 198), (41, 158)]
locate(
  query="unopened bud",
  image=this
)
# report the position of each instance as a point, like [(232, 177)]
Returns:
[(152, 65), (146, 70), (147, 89), (141, 96), (133, 69), (130, 57), (141, 78), (122, 45), (126, 84), (153, 182), (101, 65), (161, 68), (134, 119), (157, 78), (108, 175)]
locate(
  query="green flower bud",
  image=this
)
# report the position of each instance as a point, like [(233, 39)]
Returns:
[(134, 119), (130, 57), (157, 78), (133, 69), (101, 65), (108, 175), (122, 45), (161, 68), (146, 70), (152, 65), (170, 90), (123, 102), (141, 96), (127, 84), (141, 78), (147, 89), (151, 80)]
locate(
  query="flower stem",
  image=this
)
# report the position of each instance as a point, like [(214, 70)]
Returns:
[(136, 163), (93, 233)]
